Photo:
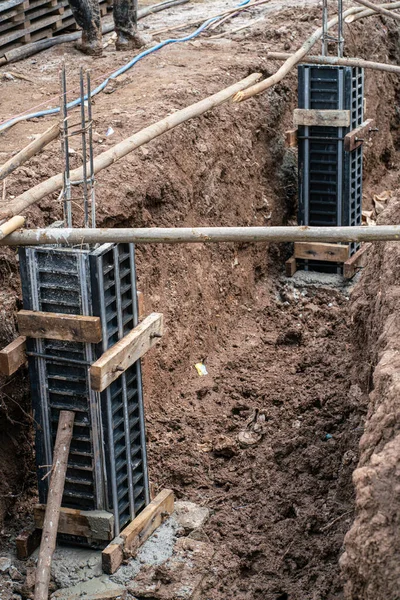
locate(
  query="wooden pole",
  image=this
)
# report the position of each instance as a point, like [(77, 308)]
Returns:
[(293, 60), (290, 62), (333, 60), (33, 148), (188, 235), (128, 145), (379, 9), (54, 497), (368, 12)]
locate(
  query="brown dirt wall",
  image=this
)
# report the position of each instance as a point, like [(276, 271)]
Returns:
[(370, 562)]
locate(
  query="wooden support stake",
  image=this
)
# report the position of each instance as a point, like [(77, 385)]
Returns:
[(13, 356), (334, 60), (291, 138), (126, 352), (54, 497), (59, 326), (356, 262), (316, 251), (321, 118), (138, 531), (140, 301), (290, 267)]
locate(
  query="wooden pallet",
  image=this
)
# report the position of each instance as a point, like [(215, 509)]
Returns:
[(27, 21)]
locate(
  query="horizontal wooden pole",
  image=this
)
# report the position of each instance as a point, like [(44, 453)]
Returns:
[(334, 60), (13, 356), (194, 235), (12, 225), (127, 351), (59, 326), (321, 118), (321, 251)]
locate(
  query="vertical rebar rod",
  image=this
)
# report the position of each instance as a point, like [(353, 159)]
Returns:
[(65, 149), (324, 27), (340, 29), (84, 166), (91, 159)]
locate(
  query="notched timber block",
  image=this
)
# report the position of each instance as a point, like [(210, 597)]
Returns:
[(354, 139), (95, 525), (27, 542), (321, 118), (291, 266), (13, 356), (138, 531), (127, 351), (356, 262), (59, 326), (291, 138), (321, 251)]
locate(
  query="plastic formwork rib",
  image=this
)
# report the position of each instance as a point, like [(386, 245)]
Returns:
[(330, 179), (107, 467)]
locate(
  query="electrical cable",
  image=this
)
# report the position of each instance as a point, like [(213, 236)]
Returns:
[(52, 111)]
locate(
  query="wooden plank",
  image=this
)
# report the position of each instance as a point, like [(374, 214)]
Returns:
[(140, 300), (126, 352), (93, 524), (27, 542), (59, 326), (291, 138), (321, 118), (356, 262), (151, 517), (355, 138), (138, 531), (321, 251), (13, 356), (290, 266)]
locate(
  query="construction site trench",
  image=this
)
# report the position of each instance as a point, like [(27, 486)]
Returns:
[(312, 360)]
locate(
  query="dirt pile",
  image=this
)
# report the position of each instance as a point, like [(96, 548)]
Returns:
[(370, 563)]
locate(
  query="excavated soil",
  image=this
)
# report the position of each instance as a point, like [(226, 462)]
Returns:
[(280, 508)]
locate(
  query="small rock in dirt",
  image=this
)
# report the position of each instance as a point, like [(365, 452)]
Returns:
[(190, 516), (15, 574), (224, 446), (290, 338), (5, 563)]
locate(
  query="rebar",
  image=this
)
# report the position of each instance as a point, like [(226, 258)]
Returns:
[(83, 130), (65, 149), (91, 159)]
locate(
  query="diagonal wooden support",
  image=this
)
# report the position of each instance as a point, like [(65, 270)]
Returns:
[(126, 352), (59, 326), (138, 531)]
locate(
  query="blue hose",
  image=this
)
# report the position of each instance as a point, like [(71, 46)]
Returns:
[(129, 65)]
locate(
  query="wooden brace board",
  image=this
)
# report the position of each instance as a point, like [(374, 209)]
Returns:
[(357, 136), (356, 262), (138, 531), (322, 118), (13, 356), (92, 524), (320, 251), (59, 326), (127, 351), (290, 266)]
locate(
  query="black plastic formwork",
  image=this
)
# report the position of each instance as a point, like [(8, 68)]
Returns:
[(107, 467), (330, 179)]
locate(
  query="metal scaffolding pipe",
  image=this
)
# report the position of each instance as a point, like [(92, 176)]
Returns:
[(188, 235)]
